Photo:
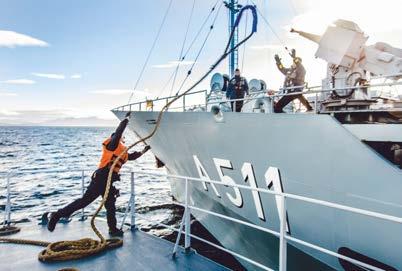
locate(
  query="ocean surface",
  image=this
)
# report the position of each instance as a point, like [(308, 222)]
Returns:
[(45, 167)]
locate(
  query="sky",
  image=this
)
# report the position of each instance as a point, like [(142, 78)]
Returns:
[(68, 62)]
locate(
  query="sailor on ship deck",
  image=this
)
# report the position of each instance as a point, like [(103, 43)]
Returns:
[(294, 77), (237, 89), (113, 147)]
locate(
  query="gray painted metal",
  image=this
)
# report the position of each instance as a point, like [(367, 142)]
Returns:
[(140, 251), (317, 157), (376, 132)]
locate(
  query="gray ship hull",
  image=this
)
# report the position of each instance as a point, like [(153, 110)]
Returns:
[(313, 156)]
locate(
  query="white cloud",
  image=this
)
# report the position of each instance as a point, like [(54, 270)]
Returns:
[(13, 39), (172, 64), (50, 75), (6, 112), (19, 82), (7, 94), (76, 76)]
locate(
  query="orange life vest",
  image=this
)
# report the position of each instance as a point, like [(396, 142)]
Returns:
[(108, 157)]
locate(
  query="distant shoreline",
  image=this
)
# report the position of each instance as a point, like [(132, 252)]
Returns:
[(55, 126)]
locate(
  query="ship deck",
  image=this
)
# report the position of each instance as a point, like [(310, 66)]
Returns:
[(141, 251)]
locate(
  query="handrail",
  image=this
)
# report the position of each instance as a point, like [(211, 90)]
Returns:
[(282, 234), (158, 99), (308, 90)]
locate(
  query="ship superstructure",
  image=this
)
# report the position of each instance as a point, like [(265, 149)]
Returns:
[(347, 151)]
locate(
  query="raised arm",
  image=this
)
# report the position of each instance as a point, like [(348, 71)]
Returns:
[(116, 136), (281, 68)]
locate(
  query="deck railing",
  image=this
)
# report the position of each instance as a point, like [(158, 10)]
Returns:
[(185, 228), (313, 91)]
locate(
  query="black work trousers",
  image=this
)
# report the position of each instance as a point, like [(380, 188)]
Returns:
[(237, 105), (287, 99), (95, 189)]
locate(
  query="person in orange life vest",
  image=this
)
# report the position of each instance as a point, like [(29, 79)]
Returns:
[(112, 148)]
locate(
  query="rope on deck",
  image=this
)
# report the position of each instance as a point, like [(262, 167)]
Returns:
[(7, 230), (71, 250)]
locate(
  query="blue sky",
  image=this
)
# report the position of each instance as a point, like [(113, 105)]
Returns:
[(62, 59)]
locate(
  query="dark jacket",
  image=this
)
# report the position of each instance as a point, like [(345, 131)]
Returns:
[(293, 77), (237, 88), (115, 139)]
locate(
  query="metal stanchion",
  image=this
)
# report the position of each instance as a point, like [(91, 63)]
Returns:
[(282, 238), (187, 225)]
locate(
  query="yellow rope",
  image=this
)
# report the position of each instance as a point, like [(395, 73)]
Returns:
[(71, 250), (7, 230)]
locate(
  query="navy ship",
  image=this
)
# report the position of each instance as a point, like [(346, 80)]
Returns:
[(347, 150)]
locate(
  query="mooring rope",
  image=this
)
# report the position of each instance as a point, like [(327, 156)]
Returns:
[(7, 230), (76, 249)]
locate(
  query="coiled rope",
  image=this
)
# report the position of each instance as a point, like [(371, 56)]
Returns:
[(76, 249), (7, 230), (70, 250)]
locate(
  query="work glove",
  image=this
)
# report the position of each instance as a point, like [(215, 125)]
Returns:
[(277, 59), (147, 148), (293, 53)]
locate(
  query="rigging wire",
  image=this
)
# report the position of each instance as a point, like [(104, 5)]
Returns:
[(244, 46), (269, 25), (191, 44), (182, 47), (151, 50), (200, 50)]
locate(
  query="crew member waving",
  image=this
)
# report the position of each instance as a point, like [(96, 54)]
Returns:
[(112, 148)]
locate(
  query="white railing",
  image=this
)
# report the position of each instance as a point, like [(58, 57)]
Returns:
[(185, 223), (312, 91)]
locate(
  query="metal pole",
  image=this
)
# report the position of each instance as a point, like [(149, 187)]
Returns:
[(233, 57), (315, 103), (282, 238), (187, 226), (82, 193), (7, 216), (176, 244), (132, 203), (184, 103), (272, 104)]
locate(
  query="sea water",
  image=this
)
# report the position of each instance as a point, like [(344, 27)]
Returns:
[(45, 165)]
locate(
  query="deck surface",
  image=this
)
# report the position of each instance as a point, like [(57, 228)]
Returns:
[(141, 251)]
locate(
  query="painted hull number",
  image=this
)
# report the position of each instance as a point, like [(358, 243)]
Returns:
[(272, 181)]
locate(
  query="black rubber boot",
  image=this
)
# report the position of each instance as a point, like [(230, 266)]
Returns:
[(116, 233), (54, 218)]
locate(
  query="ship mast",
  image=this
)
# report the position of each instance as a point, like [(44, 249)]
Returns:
[(233, 8)]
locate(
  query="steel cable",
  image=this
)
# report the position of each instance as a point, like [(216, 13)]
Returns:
[(190, 46), (182, 48), (151, 50)]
